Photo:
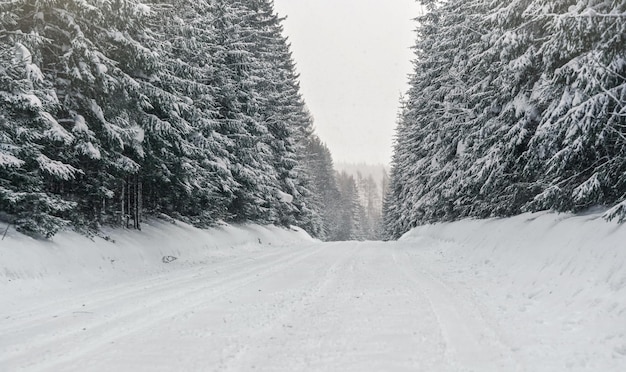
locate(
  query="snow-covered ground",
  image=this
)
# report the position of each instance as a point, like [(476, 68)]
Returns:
[(540, 292), (551, 287)]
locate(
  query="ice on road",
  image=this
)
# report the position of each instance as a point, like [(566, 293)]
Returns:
[(321, 307)]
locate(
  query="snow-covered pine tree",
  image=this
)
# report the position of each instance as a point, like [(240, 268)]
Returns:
[(318, 163), (282, 111), (194, 182), (578, 154), (73, 58), (514, 105), (309, 212), (432, 122), (370, 200), (30, 136), (350, 211), (157, 89), (499, 76), (240, 121), (190, 108), (396, 220)]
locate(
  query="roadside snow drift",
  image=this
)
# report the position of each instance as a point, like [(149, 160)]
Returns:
[(70, 261), (555, 284), (130, 250)]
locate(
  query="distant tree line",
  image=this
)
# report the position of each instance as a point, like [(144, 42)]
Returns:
[(350, 205), (111, 110), (513, 106)]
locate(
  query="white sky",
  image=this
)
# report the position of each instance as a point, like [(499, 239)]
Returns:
[(353, 57)]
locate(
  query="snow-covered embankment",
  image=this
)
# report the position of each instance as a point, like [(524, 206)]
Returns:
[(73, 262), (556, 284)]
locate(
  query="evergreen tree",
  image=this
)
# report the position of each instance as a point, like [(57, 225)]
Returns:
[(29, 134), (188, 108), (351, 212), (283, 112), (318, 163), (88, 85), (577, 153), (238, 113), (310, 210), (513, 106), (185, 167), (371, 204)]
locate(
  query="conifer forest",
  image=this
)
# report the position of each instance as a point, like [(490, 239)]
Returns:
[(112, 111), (513, 106)]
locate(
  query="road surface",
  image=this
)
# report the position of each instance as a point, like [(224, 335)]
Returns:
[(353, 306)]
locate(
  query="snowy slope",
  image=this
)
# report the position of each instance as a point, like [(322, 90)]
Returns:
[(71, 262), (554, 284)]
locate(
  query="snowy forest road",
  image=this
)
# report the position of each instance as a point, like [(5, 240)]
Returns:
[(349, 306)]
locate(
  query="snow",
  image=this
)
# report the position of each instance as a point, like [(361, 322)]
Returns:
[(56, 168), (537, 292), (127, 164), (71, 255), (284, 197), (22, 55), (89, 150), (8, 160), (101, 68), (32, 100), (521, 105), (138, 134), (117, 36), (555, 285), (461, 148), (143, 9), (56, 132), (34, 73), (80, 126)]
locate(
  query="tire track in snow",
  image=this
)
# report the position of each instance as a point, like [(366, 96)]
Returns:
[(361, 316), (40, 315), (471, 343), (342, 306), (286, 316), (60, 345)]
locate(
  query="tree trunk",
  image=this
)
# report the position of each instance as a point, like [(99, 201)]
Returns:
[(123, 200)]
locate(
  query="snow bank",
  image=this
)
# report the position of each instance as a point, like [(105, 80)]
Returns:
[(73, 261), (545, 245), (557, 279)]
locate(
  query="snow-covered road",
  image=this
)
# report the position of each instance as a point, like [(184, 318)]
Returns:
[(421, 304), (321, 307)]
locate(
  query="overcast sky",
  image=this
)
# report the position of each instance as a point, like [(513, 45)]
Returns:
[(353, 57)]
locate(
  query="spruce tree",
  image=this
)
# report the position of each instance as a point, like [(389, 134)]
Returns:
[(318, 163), (577, 154), (188, 108), (30, 139), (513, 106)]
